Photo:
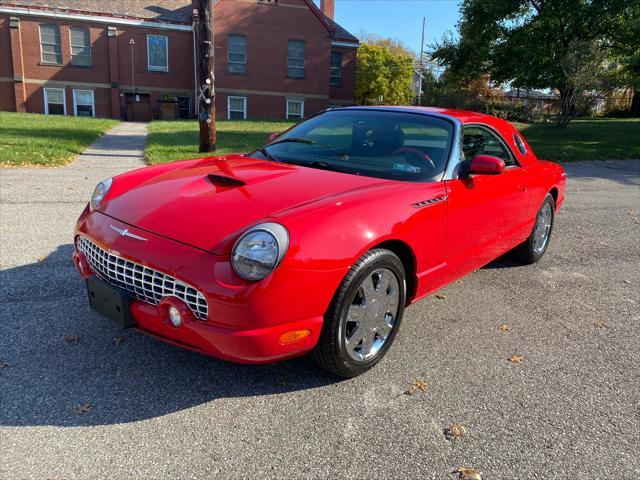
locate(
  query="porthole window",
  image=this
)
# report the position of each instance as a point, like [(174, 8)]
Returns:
[(520, 144)]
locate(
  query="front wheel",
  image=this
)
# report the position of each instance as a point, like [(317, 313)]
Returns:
[(364, 316), (533, 248)]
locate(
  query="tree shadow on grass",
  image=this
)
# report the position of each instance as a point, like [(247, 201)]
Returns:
[(136, 379)]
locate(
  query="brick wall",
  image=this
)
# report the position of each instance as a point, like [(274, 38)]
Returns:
[(267, 27), (7, 99)]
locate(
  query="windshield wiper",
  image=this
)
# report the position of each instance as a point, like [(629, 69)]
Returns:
[(319, 165), (307, 141), (264, 152)]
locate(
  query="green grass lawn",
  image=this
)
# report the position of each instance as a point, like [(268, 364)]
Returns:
[(46, 140), (178, 140), (585, 139)]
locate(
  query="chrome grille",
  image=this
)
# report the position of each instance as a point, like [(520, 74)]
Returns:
[(144, 283)]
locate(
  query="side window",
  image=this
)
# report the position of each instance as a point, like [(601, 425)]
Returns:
[(80, 46), (481, 141), (295, 59), (50, 47), (158, 53), (237, 54)]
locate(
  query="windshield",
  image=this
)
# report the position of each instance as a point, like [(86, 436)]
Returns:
[(374, 143)]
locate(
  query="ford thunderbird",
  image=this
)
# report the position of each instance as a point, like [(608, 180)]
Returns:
[(318, 241)]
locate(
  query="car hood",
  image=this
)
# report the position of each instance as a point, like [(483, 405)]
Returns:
[(208, 203)]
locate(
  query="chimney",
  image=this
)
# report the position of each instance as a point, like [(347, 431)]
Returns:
[(328, 7)]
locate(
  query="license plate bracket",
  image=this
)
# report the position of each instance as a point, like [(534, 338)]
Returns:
[(111, 302)]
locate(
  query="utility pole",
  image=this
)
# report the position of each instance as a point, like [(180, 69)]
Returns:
[(418, 100), (204, 28)]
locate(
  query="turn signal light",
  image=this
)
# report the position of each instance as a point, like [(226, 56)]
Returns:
[(294, 336)]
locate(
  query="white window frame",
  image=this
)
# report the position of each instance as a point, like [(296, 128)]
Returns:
[(71, 45), (156, 68), (42, 60), (93, 101), (244, 104), (301, 102), (46, 99)]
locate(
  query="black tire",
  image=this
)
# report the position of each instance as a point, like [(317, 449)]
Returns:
[(331, 352), (526, 251)]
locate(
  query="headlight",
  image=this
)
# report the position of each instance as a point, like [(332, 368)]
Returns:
[(99, 193), (259, 251)]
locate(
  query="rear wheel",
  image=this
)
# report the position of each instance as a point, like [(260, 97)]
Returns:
[(533, 248), (364, 316)]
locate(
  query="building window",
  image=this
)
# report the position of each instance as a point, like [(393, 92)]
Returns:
[(158, 53), (54, 103), (236, 108), (295, 59), (80, 46), (237, 54), (83, 103), (336, 68), (295, 109), (50, 49)]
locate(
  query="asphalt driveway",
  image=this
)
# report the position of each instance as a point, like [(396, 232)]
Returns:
[(570, 409)]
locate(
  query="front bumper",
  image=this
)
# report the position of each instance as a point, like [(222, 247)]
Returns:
[(245, 319)]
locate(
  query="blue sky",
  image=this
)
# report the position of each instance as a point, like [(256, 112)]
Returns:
[(400, 19)]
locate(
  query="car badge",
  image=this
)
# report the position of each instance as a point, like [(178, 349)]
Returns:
[(126, 233)]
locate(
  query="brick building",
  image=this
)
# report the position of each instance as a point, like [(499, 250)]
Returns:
[(134, 59)]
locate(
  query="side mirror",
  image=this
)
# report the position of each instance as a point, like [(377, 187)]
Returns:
[(486, 165), (273, 136)]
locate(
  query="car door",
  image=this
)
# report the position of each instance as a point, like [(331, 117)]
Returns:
[(484, 211)]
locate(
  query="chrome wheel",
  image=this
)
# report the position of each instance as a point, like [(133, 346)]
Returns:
[(542, 228), (372, 315)]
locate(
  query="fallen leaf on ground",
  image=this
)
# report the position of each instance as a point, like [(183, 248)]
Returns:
[(468, 473), (117, 341), (454, 431), (441, 297), (516, 358), (4, 365), (600, 324), (82, 408), (504, 327), (417, 385), (71, 338)]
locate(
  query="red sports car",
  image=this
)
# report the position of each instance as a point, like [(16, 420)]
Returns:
[(319, 240)]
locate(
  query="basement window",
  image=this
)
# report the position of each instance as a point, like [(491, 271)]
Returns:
[(237, 54), (83, 103), (295, 109), (295, 59), (54, 103), (237, 108), (50, 49), (80, 46), (158, 53)]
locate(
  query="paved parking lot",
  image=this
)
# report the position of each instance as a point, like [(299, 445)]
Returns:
[(571, 409)]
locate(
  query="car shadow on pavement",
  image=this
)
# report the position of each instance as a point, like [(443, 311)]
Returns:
[(58, 358)]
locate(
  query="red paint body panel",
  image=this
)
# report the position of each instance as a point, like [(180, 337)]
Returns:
[(191, 221)]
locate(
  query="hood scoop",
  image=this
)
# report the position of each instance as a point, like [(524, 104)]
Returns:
[(224, 181)]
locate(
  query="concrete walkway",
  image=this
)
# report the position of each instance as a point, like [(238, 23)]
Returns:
[(39, 206)]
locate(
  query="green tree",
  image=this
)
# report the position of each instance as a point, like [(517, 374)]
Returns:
[(382, 76), (537, 44)]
